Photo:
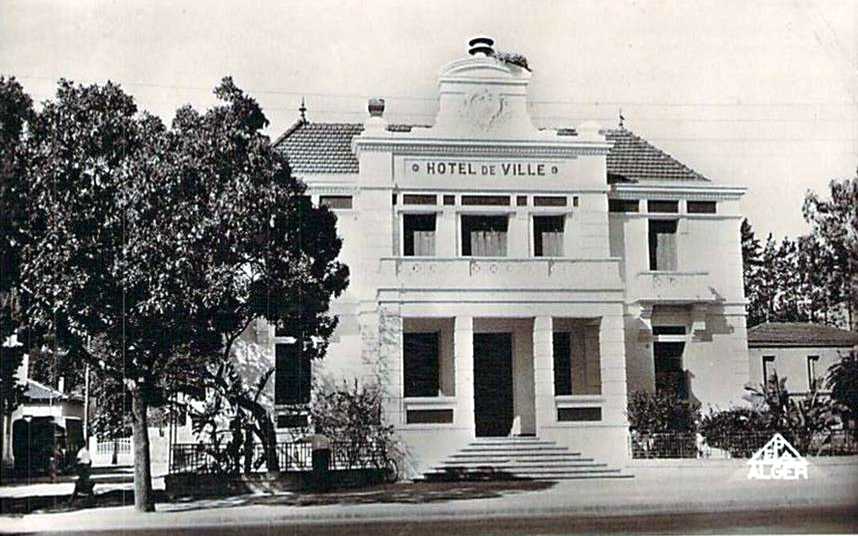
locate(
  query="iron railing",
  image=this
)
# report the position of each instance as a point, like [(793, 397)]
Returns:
[(292, 456), (725, 446)]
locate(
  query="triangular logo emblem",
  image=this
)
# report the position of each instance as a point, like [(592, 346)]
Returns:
[(777, 460)]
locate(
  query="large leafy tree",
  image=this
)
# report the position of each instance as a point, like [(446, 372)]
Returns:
[(158, 247), (835, 224), (791, 281), (751, 272), (16, 111), (842, 379)]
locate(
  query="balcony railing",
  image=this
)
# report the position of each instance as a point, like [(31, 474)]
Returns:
[(491, 272), (673, 287)]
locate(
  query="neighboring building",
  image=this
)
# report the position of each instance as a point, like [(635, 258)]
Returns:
[(508, 280), (800, 352), (44, 418)]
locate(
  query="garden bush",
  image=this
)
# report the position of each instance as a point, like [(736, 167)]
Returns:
[(661, 412), (350, 416)]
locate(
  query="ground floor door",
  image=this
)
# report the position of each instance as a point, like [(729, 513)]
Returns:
[(493, 391)]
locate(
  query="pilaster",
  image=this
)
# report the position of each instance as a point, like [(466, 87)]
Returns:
[(543, 371), (463, 358)]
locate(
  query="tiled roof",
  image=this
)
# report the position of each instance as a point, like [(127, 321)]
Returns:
[(799, 334), (633, 159), (38, 391), (326, 148)]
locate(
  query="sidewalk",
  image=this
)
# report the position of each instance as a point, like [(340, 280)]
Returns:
[(658, 488)]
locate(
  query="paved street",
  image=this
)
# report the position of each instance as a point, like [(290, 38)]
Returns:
[(807, 520), (707, 496)]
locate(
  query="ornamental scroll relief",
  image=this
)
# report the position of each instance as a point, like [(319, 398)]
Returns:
[(485, 109)]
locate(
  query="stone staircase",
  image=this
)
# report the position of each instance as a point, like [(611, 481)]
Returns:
[(518, 458)]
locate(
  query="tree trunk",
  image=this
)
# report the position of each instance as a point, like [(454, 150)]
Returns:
[(273, 463), (267, 435), (143, 500)]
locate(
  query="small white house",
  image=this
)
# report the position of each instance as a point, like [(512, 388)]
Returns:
[(44, 418), (800, 352)]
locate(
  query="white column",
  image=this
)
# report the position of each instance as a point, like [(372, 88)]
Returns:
[(543, 372), (463, 357)]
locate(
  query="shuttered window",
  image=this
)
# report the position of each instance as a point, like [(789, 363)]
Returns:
[(548, 236), (662, 245), (292, 375), (420, 364), (671, 207), (701, 207), (623, 205), (419, 232), (484, 236), (336, 202), (419, 199)]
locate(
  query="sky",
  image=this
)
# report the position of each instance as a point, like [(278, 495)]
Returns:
[(762, 94)]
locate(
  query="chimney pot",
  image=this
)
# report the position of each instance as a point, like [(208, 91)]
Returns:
[(376, 107), (481, 45)]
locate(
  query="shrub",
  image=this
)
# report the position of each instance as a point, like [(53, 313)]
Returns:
[(350, 416), (744, 430), (661, 412), (842, 380)]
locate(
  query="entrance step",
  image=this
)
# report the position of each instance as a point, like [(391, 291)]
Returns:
[(530, 458)]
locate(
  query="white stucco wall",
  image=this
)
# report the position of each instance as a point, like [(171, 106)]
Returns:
[(791, 363)]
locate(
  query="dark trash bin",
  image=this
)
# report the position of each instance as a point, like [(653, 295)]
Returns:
[(321, 461)]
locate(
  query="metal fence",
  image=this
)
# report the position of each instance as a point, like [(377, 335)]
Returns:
[(725, 446), (292, 456)]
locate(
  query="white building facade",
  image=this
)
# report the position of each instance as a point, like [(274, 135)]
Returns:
[(508, 280)]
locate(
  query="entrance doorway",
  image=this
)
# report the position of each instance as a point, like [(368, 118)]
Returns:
[(493, 391)]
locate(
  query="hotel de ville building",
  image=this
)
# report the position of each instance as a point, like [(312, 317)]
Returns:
[(511, 286)]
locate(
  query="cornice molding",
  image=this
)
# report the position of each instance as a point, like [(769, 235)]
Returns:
[(702, 192), (332, 189), (482, 148)]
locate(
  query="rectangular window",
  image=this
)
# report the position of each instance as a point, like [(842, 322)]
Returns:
[(292, 420), (549, 201), (336, 202), (577, 362), (579, 414), (449, 199), (420, 364), (662, 245), (668, 330), (623, 205), (671, 207), (485, 200), (419, 199), (548, 236), (769, 368), (292, 375), (419, 237), (429, 416), (562, 364), (521, 200), (813, 382), (669, 374), (484, 236), (702, 207)]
